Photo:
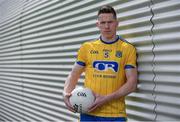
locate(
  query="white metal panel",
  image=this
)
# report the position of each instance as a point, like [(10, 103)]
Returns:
[(39, 40), (10, 9), (167, 59)]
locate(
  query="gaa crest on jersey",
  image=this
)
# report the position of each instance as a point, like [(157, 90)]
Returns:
[(118, 54)]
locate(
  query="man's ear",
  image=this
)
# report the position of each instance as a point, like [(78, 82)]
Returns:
[(97, 24)]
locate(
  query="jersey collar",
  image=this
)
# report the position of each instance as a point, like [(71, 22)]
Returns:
[(117, 38)]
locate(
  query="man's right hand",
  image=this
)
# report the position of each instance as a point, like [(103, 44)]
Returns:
[(66, 97)]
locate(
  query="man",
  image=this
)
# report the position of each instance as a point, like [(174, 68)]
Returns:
[(110, 70)]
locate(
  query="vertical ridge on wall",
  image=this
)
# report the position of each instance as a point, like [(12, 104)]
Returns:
[(154, 56)]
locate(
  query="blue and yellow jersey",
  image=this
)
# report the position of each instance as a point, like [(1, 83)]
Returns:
[(105, 65)]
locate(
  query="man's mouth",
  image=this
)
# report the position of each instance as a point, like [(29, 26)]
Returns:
[(107, 31)]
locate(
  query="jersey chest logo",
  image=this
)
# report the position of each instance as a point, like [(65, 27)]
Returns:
[(118, 54), (106, 65), (106, 53)]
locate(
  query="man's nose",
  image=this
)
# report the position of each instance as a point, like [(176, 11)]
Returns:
[(106, 25)]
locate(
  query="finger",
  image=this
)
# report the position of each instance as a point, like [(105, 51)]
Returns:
[(69, 106), (67, 95), (94, 93), (71, 109), (93, 108)]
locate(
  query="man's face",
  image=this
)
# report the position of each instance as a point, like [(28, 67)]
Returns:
[(107, 25)]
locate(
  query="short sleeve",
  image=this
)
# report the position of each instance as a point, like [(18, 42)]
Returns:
[(131, 58), (81, 57)]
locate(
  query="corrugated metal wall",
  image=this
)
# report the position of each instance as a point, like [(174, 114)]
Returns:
[(38, 44), (167, 59)]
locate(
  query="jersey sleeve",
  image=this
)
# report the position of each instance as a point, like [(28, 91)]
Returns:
[(81, 56), (131, 58)]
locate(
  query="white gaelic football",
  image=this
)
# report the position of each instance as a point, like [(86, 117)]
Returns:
[(81, 99)]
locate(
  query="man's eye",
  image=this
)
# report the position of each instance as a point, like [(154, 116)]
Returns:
[(102, 22)]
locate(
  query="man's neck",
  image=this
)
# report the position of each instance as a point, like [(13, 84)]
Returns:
[(109, 39)]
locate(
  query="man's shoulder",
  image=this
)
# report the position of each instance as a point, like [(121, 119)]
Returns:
[(91, 42), (126, 43)]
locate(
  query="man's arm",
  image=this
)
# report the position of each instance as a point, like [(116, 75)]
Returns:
[(128, 87), (73, 77), (70, 84)]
